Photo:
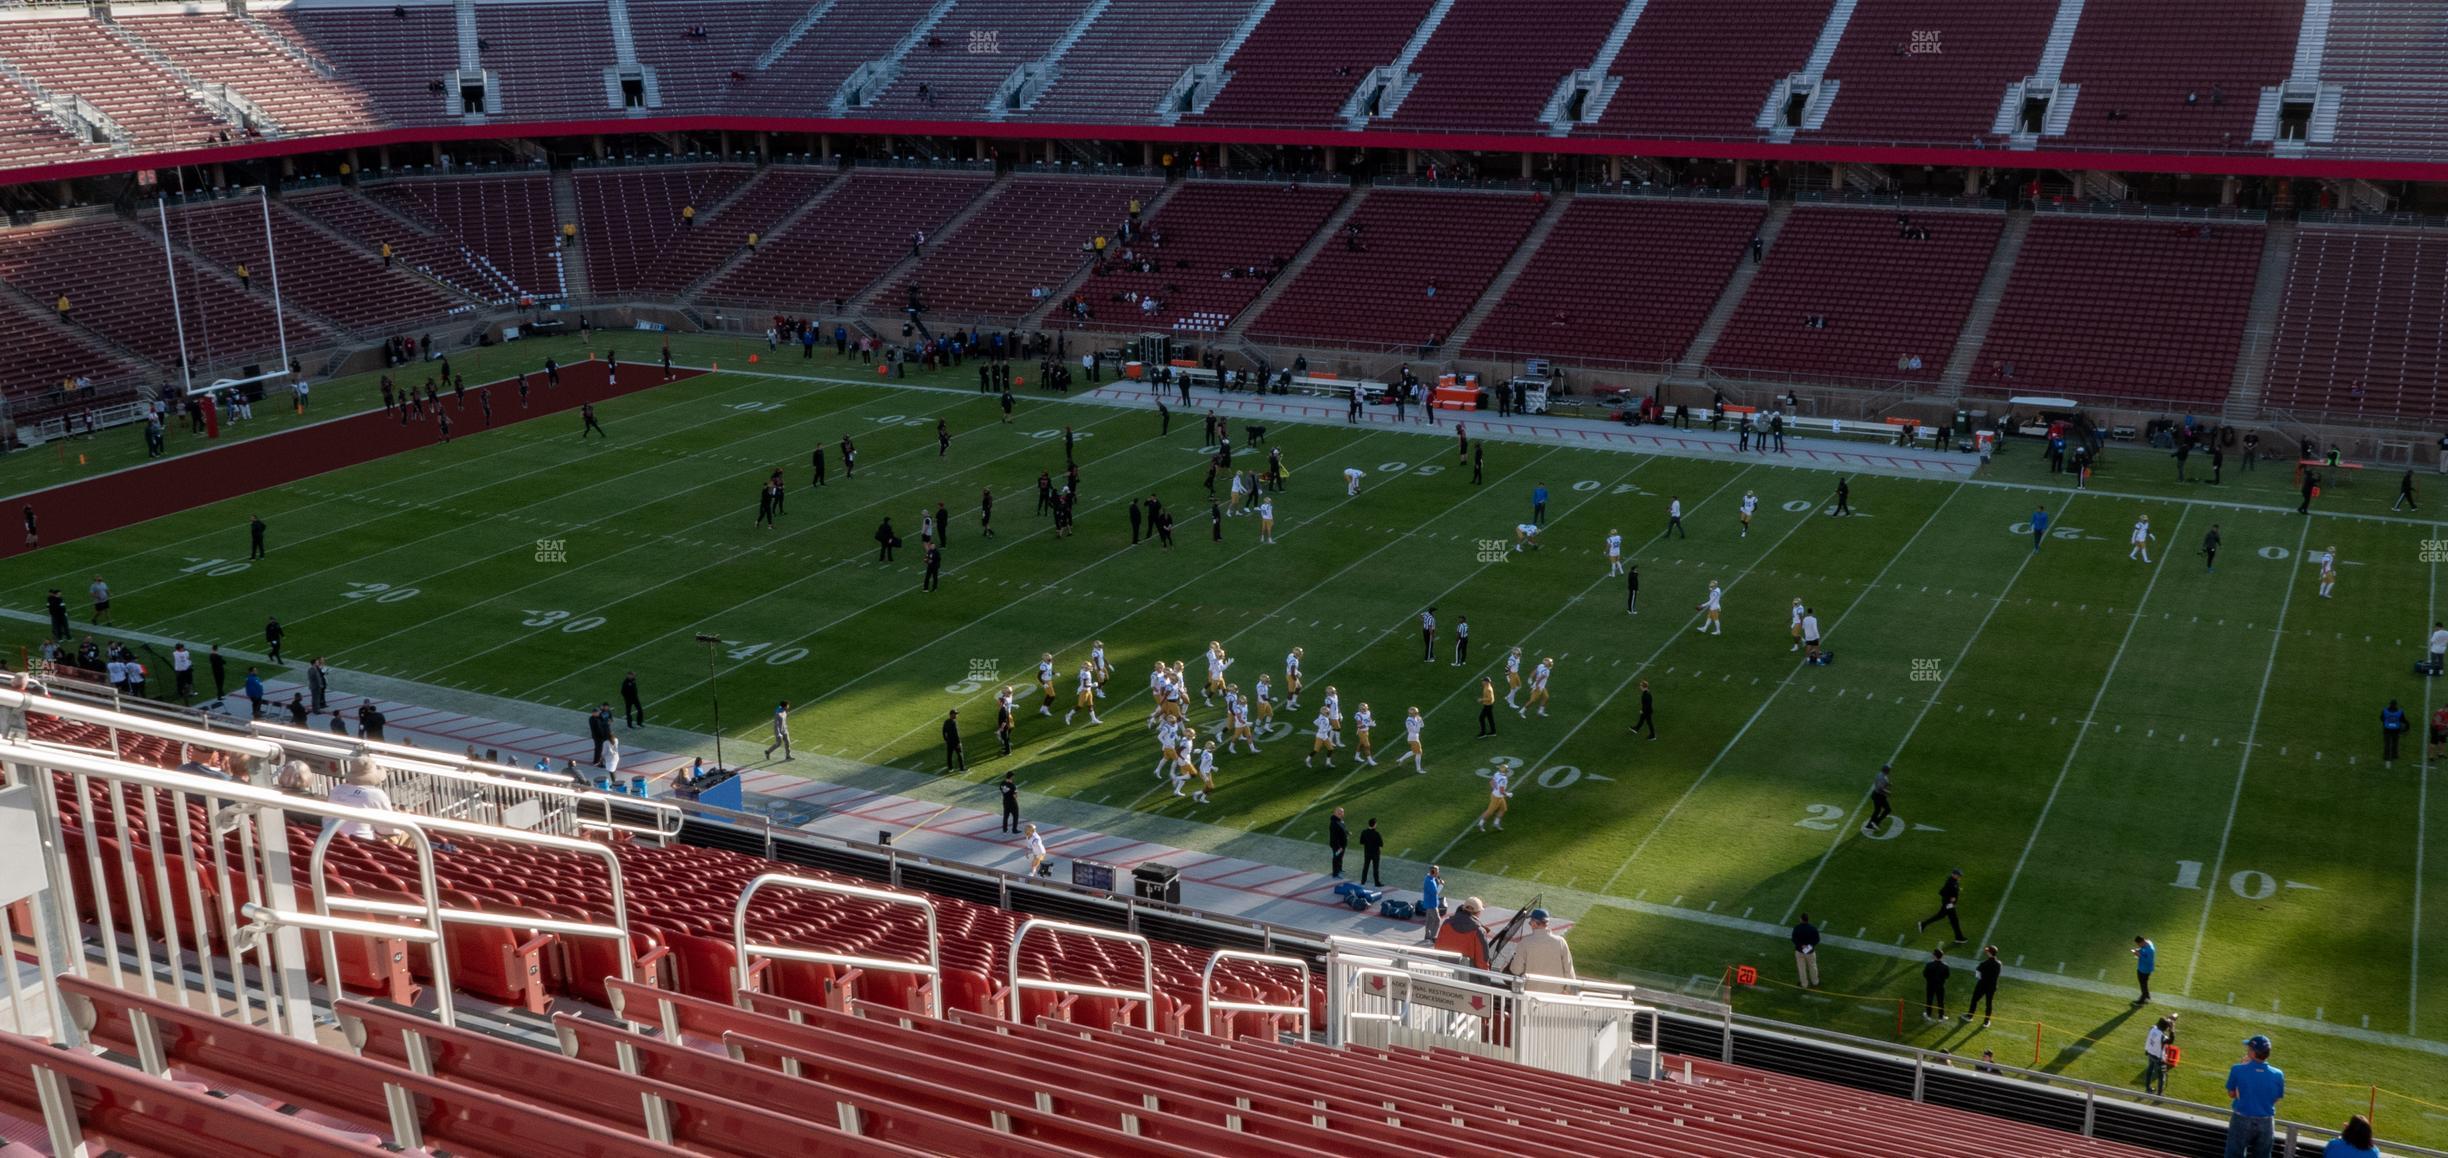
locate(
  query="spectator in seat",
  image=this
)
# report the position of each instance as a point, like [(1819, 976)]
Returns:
[(362, 788), (688, 215), (1464, 934), (1543, 953), (62, 306), (2354, 1141)]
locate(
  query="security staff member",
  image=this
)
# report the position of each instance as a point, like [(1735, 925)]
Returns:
[(954, 759), (1010, 789), (633, 710), (1372, 845), (1338, 837)]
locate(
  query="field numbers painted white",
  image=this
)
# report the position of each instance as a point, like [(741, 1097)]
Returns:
[(1798, 506), (214, 566), (1042, 435), (1587, 485), (379, 592), (2275, 553), (756, 407), (749, 651), (2058, 532), (562, 620), (2249, 884), (1822, 818)]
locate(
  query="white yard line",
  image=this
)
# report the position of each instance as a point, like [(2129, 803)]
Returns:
[(2243, 766), (1142, 608), (2422, 808), (1465, 684), (1773, 693), (1837, 841), (1001, 542), (2090, 717), (511, 446), (1328, 584), (693, 573), (1673, 636), (563, 573)]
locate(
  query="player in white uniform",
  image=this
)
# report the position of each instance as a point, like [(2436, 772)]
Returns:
[(1177, 693), (1334, 712), (2328, 578), (1169, 742), (1266, 520), (2141, 540), (1500, 795), (1614, 552), (1045, 683), (1538, 688), (1206, 772), (1351, 480), (1325, 741), (1525, 536), (1237, 722), (1365, 752), (1262, 705), (1104, 670), (1512, 676), (1217, 661), (1797, 625), (1412, 724), (1750, 504), (1810, 634), (1239, 497), (1156, 688), (1292, 679), (1712, 605), (1087, 694)]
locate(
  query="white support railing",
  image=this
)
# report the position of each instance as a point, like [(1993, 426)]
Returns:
[(433, 783), (145, 845), (1208, 1005), (1145, 995), (744, 950), (1386, 995)]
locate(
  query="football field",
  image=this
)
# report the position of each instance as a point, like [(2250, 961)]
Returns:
[(2105, 748)]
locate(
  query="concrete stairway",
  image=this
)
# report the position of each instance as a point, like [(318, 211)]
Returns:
[(573, 257), (1705, 340), (2251, 378), (788, 221), (1985, 301), (864, 300), (1522, 256), (1045, 311), (1298, 265)]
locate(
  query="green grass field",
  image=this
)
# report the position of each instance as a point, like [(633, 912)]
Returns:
[(2106, 748)]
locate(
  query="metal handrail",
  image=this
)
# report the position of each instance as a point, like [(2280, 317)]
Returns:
[(426, 761), (1208, 1003), (931, 968), (1145, 995)]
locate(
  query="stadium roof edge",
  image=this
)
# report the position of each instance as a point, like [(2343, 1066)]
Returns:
[(2237, 164)]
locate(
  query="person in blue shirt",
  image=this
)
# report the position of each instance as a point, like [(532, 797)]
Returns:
[(2256, 1086), (2355, 1141), (255, 692), (2146, 960), (2039, 526), (1432, 900), (1538, 504)]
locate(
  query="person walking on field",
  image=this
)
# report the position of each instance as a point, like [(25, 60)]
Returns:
[(1880, 807), (586, 414), (781, 731), (1948, 894)]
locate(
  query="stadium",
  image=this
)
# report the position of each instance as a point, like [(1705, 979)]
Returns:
[(1278, 647)]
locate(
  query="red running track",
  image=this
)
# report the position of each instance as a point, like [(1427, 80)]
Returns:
[(185, 482)]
